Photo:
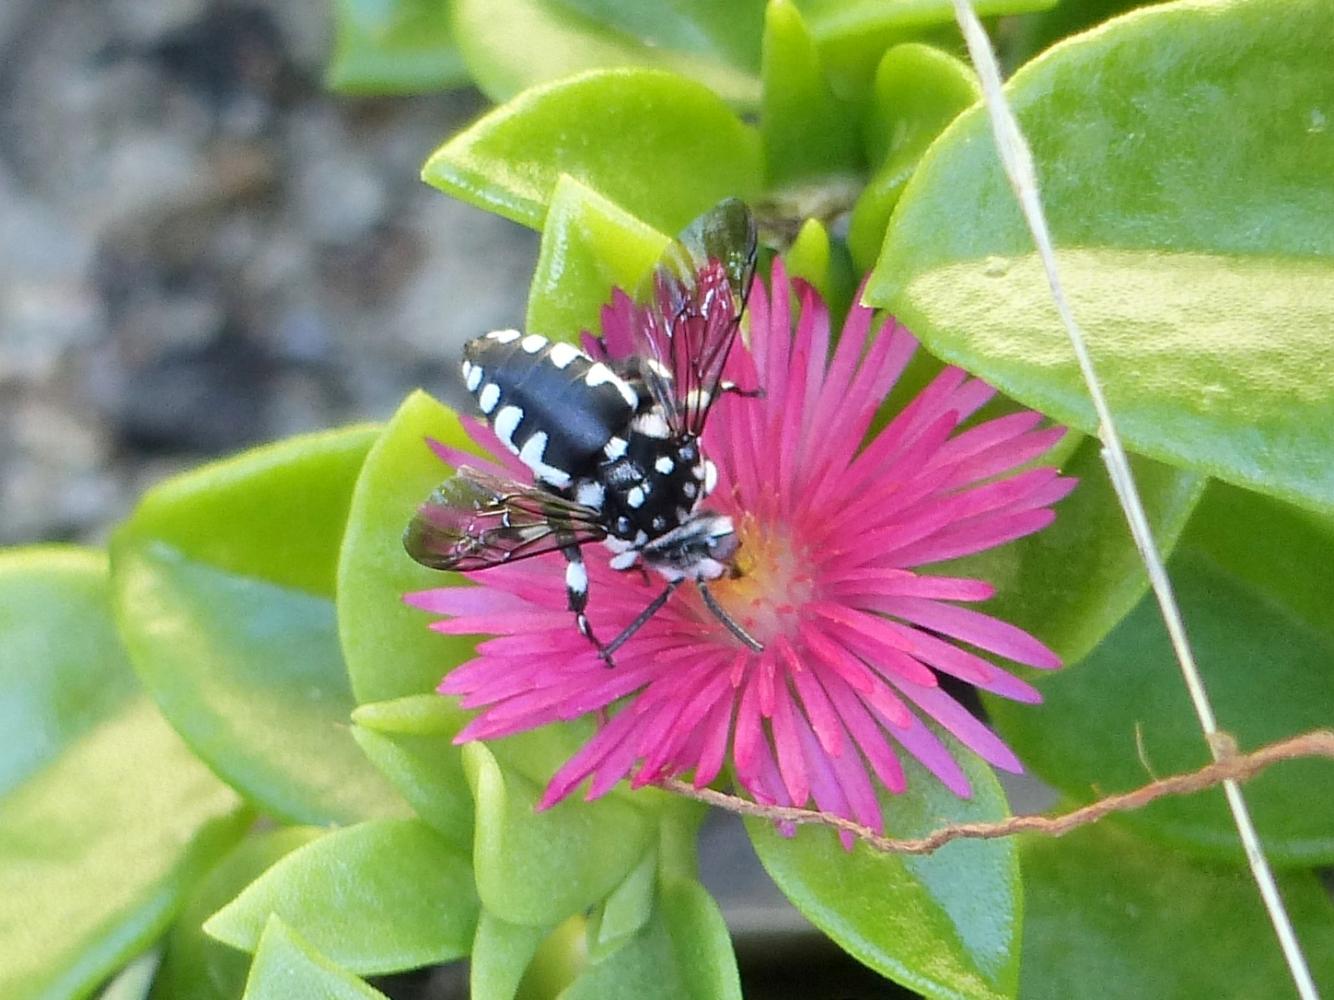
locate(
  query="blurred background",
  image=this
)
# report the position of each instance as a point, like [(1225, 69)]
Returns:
[(203, 248)]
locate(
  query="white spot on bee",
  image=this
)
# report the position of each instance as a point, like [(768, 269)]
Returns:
[(641, 538), (562, 354), (682, 514), (664, 465), (506, 423), (697, 470), (659, 523), (533, 343), (657, 368), (600, 374), (689, 489), (698, 399), (531, 455), (635, 498), (651, 424), (472, 376), (489, 396), (623, 560), (709, 569), (617, 545), (591, 494), (503, 336), (710, 477), (622, 524), (576, 578), (614, 448)]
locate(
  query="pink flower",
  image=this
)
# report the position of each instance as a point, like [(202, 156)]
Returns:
[(833, 526)]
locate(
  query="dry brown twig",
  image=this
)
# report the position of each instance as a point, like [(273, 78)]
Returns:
[(1231, 765)]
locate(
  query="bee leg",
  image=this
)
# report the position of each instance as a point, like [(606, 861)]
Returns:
[(576, 594), (640, 621), (733, 389)]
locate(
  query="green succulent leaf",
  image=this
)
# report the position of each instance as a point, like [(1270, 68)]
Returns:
[(1264, 641), (501, 952), (286, 967), (945, 924), (510, 45), (917, 91), (223, 582), (390, 652), (661, 146), (1196, 252), (730, 30), (394, 47), (378, 897), (853, 34), (537, 868), (134, 981), (1071, 583), (589, 247), (411, 740), (807, 130), (196, 967), (106, 819), (700, 941), (1104, 907), (626, 909), (683, 950)]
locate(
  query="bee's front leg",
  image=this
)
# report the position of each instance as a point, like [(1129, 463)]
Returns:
[(576, 593)]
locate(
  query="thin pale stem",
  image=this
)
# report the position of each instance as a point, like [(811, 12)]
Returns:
[(1018, 163), (1232, 767)]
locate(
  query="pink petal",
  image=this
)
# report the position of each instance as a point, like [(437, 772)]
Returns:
[(973, 627)]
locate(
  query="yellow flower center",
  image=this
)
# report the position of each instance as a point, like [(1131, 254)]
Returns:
[(774, 579)]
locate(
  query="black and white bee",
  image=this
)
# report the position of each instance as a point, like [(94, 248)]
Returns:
[(613, 444)]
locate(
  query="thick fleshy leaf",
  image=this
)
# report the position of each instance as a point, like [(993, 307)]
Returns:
[(946, 924), (663, 147), (537, 868), (854, 34), (1123, 716), (682, 951), (1070, 583), (394, 47), (223, 583), (378, 897), (389, 650), (700, 941), (626, 909), (918, 90), (500, 953), (288, 968), (106, 819), (589, 247), (1196, 252), (1103, 907), (1029, 34), (510, 45), (196, 967), (732, 30), (411, 740), (807, 130), (134, 981)]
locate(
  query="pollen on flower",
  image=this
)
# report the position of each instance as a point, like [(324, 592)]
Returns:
[(838, 529), (774, 580)]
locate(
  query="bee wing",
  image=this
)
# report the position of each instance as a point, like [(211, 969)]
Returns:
[(696, 302), (474, 520)]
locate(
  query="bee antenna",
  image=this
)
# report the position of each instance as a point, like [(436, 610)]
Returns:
[(731, 623)]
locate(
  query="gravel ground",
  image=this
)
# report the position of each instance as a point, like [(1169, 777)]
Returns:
[(203, 249)]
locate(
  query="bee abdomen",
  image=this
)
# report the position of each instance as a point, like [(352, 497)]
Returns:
[(549, 403)]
